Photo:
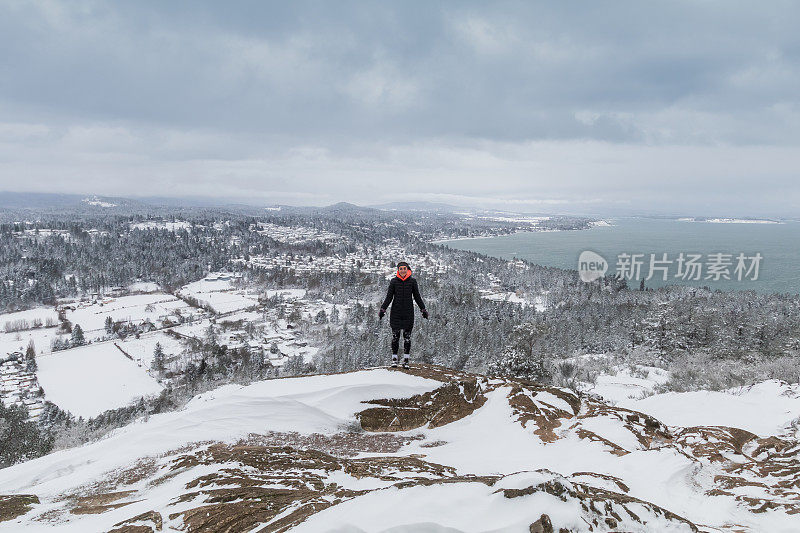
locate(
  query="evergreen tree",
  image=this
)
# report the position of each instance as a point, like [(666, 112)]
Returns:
[(295, 316), (30, 357), (77, 336), (158, 359), (211, 335), (524, 356), (109, 325), (20, 439)]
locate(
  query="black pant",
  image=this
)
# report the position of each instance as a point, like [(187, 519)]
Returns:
[(396, 340)]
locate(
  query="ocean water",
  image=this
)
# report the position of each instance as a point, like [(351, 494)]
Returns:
[(778, 245)]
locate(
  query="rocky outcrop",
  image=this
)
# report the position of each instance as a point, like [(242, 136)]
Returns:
[(148, 522), (14, 505), (450, 402), (274, 481)]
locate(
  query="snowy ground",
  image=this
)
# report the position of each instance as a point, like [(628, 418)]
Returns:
[(42, 315), (219, 294), (323, 404), (143, 286), (136, 308), (91, 379), (18, 341), (600, 446), (765, 408), (286, 294), (142, 349), (623, 385)]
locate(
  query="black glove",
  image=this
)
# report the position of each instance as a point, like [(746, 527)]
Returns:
[(381, 313), (425, 314)]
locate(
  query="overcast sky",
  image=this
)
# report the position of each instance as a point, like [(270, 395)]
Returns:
[(680, 107)]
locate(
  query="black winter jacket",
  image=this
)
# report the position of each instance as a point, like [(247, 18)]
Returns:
[(400, 295)]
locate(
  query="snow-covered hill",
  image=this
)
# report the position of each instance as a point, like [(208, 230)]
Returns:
[(427, 450)]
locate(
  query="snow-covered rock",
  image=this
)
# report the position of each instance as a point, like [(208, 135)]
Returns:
[(428, 449)]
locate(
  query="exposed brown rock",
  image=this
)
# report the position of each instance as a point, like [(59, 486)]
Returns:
[(711, 442), (450, 402), (439, 373), (772, 465), (599, 505), (614, 479), (100, 503), (547, 417), (275, 481), (433, 444), (591, 435), (258, 483), (650, 432), (386, 468), (543, 525), (338, 444), (148, 522), (14, 505), (427, 482)]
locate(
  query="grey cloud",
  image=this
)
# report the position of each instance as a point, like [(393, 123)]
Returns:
[(510, 70), (288, 97)]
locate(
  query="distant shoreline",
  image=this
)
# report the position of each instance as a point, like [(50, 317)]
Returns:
[(731, 220), (594, 224)]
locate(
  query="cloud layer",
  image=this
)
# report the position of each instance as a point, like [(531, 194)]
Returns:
[(681, 107)]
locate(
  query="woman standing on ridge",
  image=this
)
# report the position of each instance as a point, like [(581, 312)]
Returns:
[(402, 288)]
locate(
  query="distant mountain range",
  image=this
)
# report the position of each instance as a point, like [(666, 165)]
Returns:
[(154, 204)]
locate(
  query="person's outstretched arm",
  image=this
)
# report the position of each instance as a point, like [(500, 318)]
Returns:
[(389, 296), (417, 295)]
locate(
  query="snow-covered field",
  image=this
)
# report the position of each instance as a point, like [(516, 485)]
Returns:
[(41, 316), (19, 328), (143, 286), (219, 294), (91, 379), (18, 341), (142, 349), (136, 308)]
